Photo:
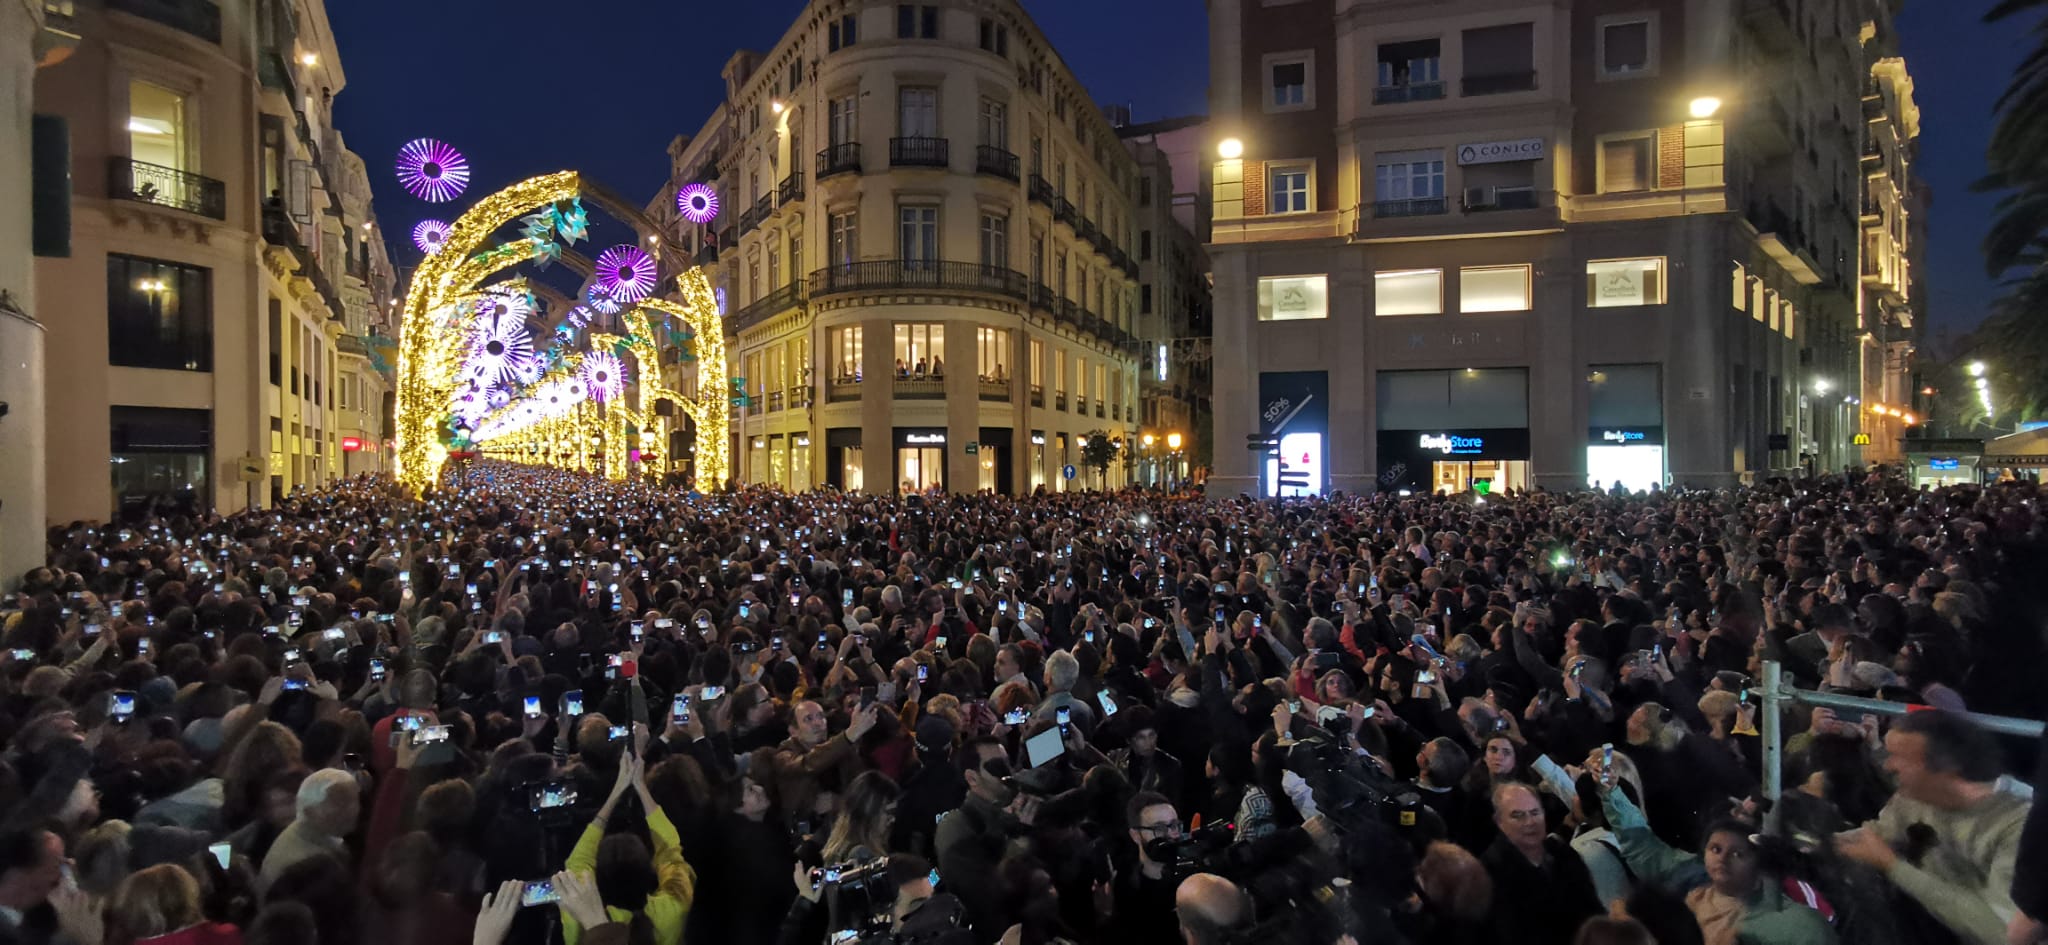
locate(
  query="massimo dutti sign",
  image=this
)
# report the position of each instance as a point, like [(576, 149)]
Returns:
[(1496, 152)]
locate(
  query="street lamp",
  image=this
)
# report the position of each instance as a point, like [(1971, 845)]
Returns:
[(1230, 149), (1704, 107), (1977, 369), (1821, 385)]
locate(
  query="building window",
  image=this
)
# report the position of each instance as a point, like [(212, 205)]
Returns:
[(1144, 245), (276, 342), (1145, 298), (1408, 292), (845, 345), (159, 314), (796, 73), (156, 126), (995, 37), (995, 241), (917, 235), (917, 112), (1500, 59), (1287, 186), (920, 350), (1291, 298), (1628, 162), (1620, 282), (1410, 72), (1037, 258), (994, 127), (1739, 289), (917, 21), (992, 353), (842, 33), (1494, 289), (1627, 46), (843, 246), (1059, 272), (1287, 80), (842, 119), (1408, 183)]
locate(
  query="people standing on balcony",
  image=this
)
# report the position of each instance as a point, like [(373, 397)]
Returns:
[(938, 367)]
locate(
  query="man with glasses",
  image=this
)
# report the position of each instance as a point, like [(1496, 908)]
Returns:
[(1144, 894)]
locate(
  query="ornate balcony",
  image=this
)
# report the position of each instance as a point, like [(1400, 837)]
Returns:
[(142, 182), (897, 274), (919, 152), (1041, 191), (791, 190), (996, 162), (839, 159)]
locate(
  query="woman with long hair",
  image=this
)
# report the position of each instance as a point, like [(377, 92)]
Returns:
[(406, 905), (648, 890), (867, 813), (161, 906)]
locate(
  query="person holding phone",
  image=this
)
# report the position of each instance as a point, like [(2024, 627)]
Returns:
[(650, 891)]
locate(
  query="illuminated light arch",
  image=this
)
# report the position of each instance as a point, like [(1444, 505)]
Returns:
[(431, 355)]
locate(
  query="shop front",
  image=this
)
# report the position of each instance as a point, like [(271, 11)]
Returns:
[(1294, 408), (920, 459), (1631, 457), (843, 467), (1039, 473), (1453, 431), (1487, 460), (1932, 463), (992, 461)]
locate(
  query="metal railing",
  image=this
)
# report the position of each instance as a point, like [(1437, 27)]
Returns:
[(920, 388), (989, 159), (1777, 695), (918, 274), (839, 159), (768, 306), (842, 390), (200, 18), (1412, 92), (1041, 191), (791, 190), (129, 179), (1411, 207), (1038, 395), (919, 152), (993, 390), (275, 73), (1496, 83)]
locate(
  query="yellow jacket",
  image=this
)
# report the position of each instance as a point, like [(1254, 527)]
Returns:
[(669, 905)]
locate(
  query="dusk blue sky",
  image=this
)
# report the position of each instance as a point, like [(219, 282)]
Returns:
[(528, 86)]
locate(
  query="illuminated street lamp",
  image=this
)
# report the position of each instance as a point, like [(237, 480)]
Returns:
[(1230, 149), (1704, 107)]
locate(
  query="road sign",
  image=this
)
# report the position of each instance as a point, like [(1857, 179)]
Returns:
[(1067, 470), (1293, 478), (1263, 443), (973, 447)]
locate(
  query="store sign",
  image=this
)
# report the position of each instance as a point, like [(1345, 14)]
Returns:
[(350, 444), (924, 439), (1037, 439), (1451, 445), (1620, 287), (1287, 298), (1944, 464), (1624, 436), (1497, 152)]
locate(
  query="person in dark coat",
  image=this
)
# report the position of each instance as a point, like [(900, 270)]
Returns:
[(1542, 891)]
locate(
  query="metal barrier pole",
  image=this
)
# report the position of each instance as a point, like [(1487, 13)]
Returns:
[(1773, 743), (2003, 725)]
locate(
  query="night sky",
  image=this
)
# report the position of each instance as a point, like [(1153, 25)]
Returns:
[(529, 86)]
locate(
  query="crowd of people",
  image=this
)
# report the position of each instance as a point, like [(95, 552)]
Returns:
[(532, 706)]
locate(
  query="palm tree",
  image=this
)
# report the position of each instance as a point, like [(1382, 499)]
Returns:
[(2016, 248)]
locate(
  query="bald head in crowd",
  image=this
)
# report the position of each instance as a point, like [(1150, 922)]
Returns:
[(1209, 906)]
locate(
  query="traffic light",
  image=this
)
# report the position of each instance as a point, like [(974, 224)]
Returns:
[(736, 392)]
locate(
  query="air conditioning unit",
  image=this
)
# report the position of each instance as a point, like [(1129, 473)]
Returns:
[(1481, 197)]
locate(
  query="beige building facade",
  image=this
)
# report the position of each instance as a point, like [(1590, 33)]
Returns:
[(925, 252), (225, 272), (1491, 244), (1893, 230), (27, 37)]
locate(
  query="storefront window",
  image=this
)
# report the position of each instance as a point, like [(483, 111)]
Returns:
[(1408, 292), (923, 467), (850, 469), (920, 350), (800, 463), (1620, 282), (1493, 289)]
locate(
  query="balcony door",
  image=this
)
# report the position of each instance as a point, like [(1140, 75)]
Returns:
[(156, 126), (918, 236), (917, 112)]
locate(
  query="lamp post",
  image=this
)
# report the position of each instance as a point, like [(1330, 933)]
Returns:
[(1148, 460), (1173, 442)]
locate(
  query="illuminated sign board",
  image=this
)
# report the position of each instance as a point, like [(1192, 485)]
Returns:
[(1451, 444), (924, 439), (350, 444), (1944, 464)]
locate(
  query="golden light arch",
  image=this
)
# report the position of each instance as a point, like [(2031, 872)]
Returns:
[(430, 354)]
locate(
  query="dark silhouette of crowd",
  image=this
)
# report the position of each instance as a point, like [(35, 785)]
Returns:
[(532, 706)]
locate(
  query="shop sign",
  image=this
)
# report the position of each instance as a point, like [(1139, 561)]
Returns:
[(1497, 152), (1625, 436), (1946, 463), (1452, 445), (924, 439)]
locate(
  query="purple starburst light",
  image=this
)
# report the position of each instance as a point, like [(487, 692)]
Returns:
[(432, 170), (501, 349), (625, 272), (604, 375), (698, 203), (430, 236), (503, 306)]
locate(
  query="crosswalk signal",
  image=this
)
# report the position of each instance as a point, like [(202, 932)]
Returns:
[(736, 392)]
